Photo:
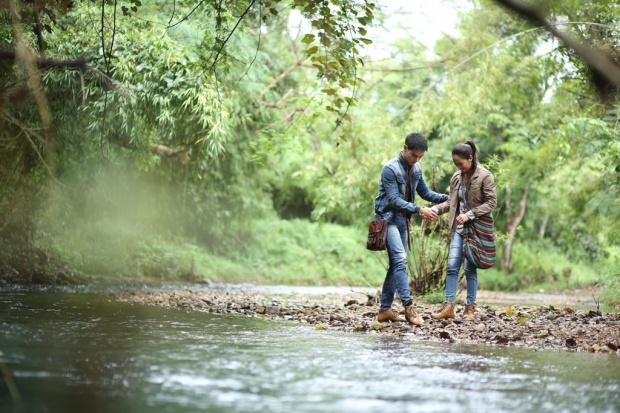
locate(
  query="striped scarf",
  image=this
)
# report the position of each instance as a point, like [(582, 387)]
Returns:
[(478, 238), (479, 242)]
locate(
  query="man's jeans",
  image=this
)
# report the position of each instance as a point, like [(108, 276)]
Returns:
[(455, 259), (396, 277)]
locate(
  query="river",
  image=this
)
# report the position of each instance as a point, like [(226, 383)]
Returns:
[(65, 350)]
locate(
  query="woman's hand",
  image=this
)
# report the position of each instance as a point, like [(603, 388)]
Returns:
[(463, 218), (428, 214)]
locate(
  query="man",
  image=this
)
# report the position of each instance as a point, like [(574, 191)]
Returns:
[(395, 203)]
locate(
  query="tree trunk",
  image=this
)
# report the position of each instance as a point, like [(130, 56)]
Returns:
[(543, 227), (512, 223)]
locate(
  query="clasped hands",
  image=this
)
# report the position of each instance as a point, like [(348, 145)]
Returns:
[(428, 214)]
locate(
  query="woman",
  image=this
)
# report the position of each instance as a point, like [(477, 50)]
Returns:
[(472, 196)]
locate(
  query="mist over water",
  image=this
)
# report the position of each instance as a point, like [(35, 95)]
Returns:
[(116, 220)]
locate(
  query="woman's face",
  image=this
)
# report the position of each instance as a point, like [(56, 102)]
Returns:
[(463, 165)]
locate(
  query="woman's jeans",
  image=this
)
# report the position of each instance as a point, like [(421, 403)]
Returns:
[(396, 277), (455, 259)]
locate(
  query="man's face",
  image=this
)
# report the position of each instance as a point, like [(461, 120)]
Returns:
[(412, 155)]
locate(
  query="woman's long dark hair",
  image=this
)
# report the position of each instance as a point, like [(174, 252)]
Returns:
[(465, 150)]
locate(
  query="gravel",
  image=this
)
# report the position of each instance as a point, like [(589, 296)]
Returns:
[(535, 327)]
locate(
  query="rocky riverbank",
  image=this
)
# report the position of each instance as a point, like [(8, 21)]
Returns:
[(536, 327)]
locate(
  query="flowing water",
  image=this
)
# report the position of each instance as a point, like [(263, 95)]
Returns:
[(72, 350)]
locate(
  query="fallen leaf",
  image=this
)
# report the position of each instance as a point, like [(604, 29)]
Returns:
[(502, 340), (571, 342)]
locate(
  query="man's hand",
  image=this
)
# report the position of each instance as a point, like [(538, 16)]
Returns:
[(428, 214)]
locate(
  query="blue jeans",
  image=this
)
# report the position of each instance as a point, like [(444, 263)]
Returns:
[(455, 259), (396, 277)]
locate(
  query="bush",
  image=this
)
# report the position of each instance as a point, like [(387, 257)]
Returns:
[(299, 251), (435, 296), (539, 265), (495, 280), (611, 291), (161, 260), (611, 294)]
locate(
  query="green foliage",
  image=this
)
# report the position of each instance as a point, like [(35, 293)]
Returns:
[(434, 296), (611, 294), (191, 123), (538, 264), (298, 251), (163, 260), (163, 95), (493, 279), (276, 252)]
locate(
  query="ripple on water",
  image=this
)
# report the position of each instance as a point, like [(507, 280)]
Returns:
[(147, 359)]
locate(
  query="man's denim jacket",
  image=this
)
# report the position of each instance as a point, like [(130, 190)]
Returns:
[(392, 190)]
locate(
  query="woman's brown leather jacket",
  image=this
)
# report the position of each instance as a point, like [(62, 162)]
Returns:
[(480, 193)]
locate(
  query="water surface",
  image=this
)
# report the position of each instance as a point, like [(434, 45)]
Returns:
[(79, 351)]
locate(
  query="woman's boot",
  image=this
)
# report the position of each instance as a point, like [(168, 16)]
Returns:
[(446, 311), (470, 311)]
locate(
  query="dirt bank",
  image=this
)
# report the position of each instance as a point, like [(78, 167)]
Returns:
[(552, 326)]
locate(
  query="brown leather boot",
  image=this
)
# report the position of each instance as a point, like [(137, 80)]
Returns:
[(389, 315), (446, 311), (470, 311), (412, 316)]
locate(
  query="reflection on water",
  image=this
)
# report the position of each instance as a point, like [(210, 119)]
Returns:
[(83, 352)]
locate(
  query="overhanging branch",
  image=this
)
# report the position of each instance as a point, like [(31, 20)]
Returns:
[(46, 63), (596, 60)]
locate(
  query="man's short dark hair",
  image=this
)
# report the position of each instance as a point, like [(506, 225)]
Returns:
[(417, 142)]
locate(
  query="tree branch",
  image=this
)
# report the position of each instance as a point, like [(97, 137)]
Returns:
[(278, 79), (217, 56), (181, 156), (595, 59), (37, 29), (45, 63)]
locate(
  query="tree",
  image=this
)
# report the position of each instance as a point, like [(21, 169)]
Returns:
[(136, 88), (522, 111)]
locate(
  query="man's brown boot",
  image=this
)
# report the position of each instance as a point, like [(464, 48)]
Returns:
[(389, 315), (446, 311), (470, 311), (412, 316)]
